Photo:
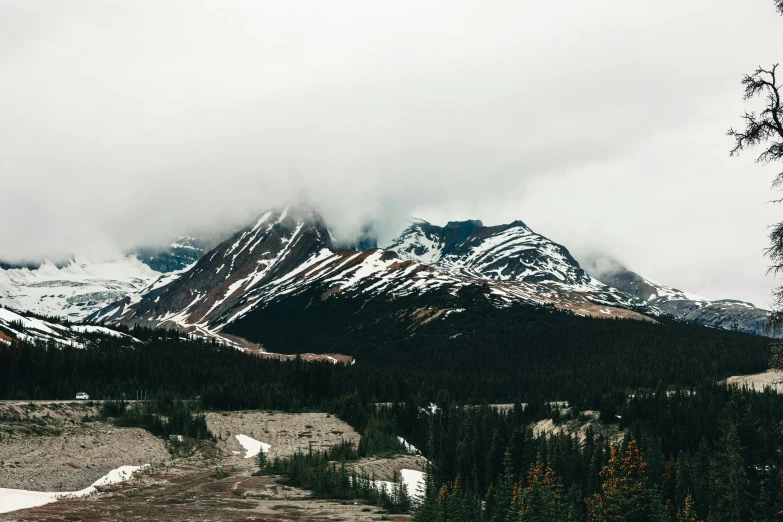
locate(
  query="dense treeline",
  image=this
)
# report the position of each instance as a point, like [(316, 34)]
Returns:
[(162, 415), (526, 353), (326, 478), (711, 453), (504, 353)]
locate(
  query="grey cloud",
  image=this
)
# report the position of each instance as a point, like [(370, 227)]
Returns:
[(600, 124)]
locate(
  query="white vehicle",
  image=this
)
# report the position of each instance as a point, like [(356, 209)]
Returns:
[(81, 396)]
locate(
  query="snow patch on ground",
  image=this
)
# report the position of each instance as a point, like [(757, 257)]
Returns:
[(410, 448), (252, 446), (15, 499), (413, 480)]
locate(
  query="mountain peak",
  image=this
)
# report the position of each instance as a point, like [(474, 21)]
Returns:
[(518, 223), (455, 233), (721, 313), (277, 241), (468, 223), (511, 252)]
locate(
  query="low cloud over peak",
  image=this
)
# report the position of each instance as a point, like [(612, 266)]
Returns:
[(599, 125)]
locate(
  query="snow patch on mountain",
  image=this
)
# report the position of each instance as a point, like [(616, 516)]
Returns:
[(14, 325), (506, 253), (722, 313), (289, 251)]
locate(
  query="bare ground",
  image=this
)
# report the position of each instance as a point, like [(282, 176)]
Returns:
[(578, 427), (759, 381), (76, 458), (384, 469), (54, 412), (217, 485), (185, 491), (285, 432), (58, 447)]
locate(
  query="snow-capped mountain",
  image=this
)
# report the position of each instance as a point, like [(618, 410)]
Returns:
[(722, 313), (81, 286), (73, 290), (289, 252), (508, 253), (275, 244), (180, 254)]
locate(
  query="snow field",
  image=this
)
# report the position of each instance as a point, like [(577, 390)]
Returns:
[(15, 499), (413, 480), (252, 446)]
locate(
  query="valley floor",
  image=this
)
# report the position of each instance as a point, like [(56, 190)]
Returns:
[(56, 451), (759, 381), (197, 491)]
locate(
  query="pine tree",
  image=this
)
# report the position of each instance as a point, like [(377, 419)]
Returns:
[(473, 498), (687, 514), (461, 500), (669, 487), (514, 508), (504, 493), (400, 498), (490, 504), (761, 508), (777, 508), (682, 488), (542, 500), (444, 509), (624, 492), (730, 479), (701, 479), (427, 510)]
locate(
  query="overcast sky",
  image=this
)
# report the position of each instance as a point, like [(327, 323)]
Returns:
[(600, 124)]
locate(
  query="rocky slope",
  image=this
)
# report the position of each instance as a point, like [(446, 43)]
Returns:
[(274, 245), (289, 252), (506, 253), (722, 313), (176, 256)]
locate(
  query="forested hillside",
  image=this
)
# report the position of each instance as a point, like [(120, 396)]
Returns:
[(654, 381), (503, 354), (519, 353), (709, 453)]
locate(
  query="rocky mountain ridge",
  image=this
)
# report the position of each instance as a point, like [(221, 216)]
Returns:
[(506, 253), (729, 314), (289, 252)]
